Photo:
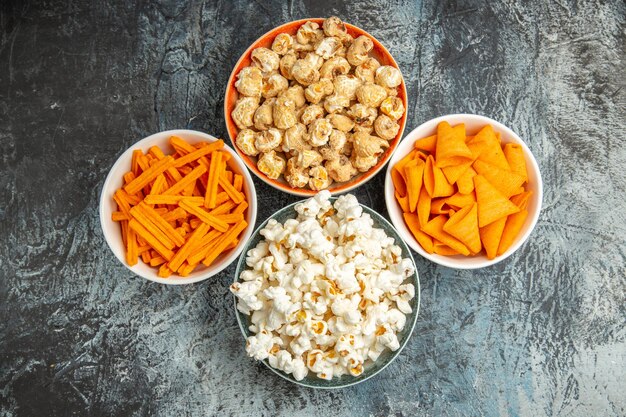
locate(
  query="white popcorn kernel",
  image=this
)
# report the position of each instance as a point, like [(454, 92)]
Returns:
[(256, 254), (396, 319), (299, 369)]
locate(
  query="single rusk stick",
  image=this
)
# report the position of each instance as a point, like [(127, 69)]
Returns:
[(172, 199), (146, 222), (186, 181), (171, 171), (118, 216), (157, 260), (192, 156), (148, 175), (131, 248), (241, 207), (145, 257), (210, 200), (223, 208), (184, 252), (149, 237), (231, 218), (134, 166), (177, 213), (232, 192), (121, 198), (224, 241), (186, 269), (207, 218), (238, 182), (159, 185), (205, 245), (164, 271), (163, 225)]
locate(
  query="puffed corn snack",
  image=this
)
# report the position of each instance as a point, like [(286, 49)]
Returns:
[(318, 90)]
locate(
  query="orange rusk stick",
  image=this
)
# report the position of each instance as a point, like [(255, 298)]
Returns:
[(228, 175), (205, 150), (224, 241), (231, 218), (232, 245), (143, 248), (158, 154), (163, 225), (222, 198), (145, 257), (164, 271), (159, 185), (238, 182), (241, 207), (185, 148), (129, 176), (118, 216), (121, 199), (186, 181), (124, 227), (232, 192), (172, 199), (143, 162), (223, 209), (149, 237), (210, 200), (134, 199), (186, 269), (184, 252), (148, 175), (131, 248), (205, 245), (134, 166), (175, 214), (157, 260), (142, 219), (207, 218)]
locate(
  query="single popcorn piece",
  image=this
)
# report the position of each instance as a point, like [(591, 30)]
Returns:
[(326, 292), (271, 164)]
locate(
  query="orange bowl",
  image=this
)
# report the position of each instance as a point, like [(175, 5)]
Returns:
[(379, 52)]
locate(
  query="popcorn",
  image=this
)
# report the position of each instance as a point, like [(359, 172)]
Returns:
[(326, 292)]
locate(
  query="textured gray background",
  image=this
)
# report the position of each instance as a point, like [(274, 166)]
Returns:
[(540, 334)]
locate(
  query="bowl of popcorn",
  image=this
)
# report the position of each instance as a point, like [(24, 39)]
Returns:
[(327, 293), (315, 104)]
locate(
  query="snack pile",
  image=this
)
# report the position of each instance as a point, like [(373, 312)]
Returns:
[(179, 210), (327, 292), (317, 107), (461, 194)]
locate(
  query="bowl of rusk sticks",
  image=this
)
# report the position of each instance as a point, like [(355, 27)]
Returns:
[(178, 207)]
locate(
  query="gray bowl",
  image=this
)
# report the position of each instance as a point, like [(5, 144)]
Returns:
[(387, 356)]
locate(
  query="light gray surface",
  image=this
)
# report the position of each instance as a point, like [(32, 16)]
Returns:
[(540, 334)]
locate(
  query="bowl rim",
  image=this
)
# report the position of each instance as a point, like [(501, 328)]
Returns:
[(232, 256), (305, 192), (416, 282), (458, 262)]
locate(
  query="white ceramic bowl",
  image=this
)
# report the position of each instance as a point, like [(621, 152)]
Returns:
[(114, 180), (473, 123)]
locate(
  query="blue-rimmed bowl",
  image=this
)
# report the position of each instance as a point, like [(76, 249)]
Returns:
[(371, 368)]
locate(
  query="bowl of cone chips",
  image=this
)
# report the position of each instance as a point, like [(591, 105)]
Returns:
[(464, 191)]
